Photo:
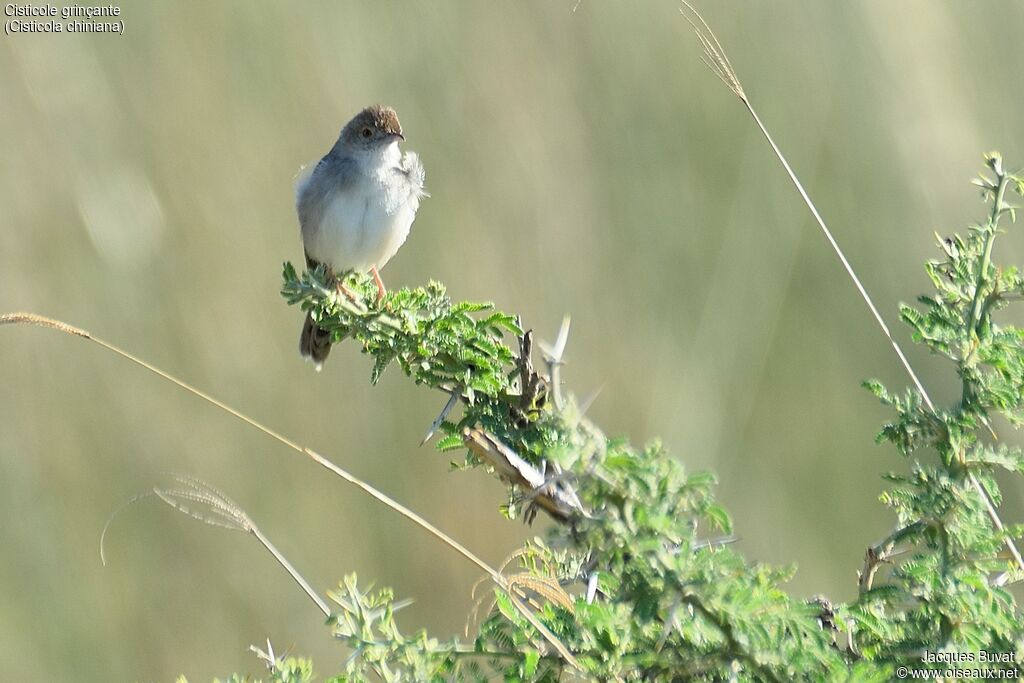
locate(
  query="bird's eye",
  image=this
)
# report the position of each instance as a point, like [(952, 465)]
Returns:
[(367, 132)]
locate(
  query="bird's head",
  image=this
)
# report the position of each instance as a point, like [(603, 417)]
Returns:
[(373, 129)]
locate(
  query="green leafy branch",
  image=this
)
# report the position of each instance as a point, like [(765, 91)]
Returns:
[(631, 580), (459, 348), (945, 588)]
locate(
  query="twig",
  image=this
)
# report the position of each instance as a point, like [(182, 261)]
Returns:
[(530, 383), (874, 557), (267, 656), (561, 503)]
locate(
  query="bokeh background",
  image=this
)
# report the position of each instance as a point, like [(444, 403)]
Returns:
[(580, 162)]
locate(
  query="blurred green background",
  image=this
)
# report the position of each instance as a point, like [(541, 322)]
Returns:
[(579, 162)]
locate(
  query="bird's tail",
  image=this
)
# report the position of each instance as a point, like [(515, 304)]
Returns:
[(315, 342)]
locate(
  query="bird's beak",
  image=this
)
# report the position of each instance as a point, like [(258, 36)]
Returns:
[(398, 136)]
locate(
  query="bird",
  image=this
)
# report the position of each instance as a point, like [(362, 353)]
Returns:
[(356, 208)]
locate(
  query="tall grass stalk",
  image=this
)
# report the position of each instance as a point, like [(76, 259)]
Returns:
[(716, 59), (23, 318)]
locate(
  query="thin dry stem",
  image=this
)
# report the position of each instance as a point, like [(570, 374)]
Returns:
[(110, 520), (223, 512), (717, 60), (499, 580)]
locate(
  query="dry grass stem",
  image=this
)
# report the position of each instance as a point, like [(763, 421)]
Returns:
[(499, 580), (217, 509), (716, 59)]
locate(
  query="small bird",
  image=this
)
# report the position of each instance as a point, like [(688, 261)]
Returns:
[(356, 207)]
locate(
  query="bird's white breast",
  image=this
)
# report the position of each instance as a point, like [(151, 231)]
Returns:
[(363, 225)]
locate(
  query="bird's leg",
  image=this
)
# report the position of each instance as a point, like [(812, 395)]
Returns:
[(341, 289), (380, 284)]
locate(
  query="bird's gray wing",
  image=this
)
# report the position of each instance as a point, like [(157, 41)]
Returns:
[(332, 174)]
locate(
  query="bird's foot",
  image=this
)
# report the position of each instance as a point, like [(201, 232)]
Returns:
[(344, 291), (380, 285)]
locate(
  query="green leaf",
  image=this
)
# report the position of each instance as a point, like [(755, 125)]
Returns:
[(531, 658), (717, 514)]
